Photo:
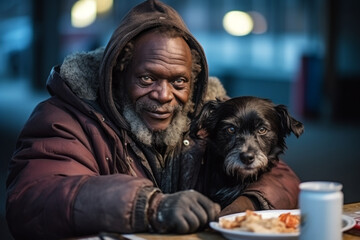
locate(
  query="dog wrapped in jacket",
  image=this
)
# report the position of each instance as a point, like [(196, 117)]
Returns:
[(245, 137)]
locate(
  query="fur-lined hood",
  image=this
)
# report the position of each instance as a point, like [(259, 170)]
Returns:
[(90, 75), (147, 15)]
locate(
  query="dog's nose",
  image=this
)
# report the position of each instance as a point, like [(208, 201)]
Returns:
[(247, 157)]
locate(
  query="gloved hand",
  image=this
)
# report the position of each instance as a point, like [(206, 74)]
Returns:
[(181, 212)]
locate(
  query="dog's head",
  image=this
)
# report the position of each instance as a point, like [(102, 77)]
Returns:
[(248, 133)]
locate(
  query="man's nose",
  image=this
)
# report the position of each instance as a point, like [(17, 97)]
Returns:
[(162, 92)]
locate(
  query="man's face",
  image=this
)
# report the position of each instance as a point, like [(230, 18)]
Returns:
[(158, 78)]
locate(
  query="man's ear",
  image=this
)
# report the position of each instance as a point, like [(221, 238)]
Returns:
[(289, 124), (205, 120)]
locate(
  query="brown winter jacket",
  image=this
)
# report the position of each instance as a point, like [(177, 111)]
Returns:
[(66, 176)]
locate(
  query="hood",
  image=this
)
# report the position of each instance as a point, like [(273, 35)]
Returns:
[(144, 16)]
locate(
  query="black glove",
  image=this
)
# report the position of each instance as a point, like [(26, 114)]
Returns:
[(181, 212)]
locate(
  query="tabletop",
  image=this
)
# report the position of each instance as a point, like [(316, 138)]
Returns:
[(348, 209), (211, 235)]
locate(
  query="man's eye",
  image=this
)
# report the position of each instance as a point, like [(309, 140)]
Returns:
[(262, 131), (179, 82), (230, 130), (145, 79)]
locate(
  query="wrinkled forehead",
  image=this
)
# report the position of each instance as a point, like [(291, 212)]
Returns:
[(155, 40), (158, 49)]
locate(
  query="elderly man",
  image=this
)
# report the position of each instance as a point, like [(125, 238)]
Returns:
[(110, 149)]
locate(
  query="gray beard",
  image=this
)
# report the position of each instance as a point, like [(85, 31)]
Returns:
[(168, 137)]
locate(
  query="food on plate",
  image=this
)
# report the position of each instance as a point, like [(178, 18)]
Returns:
[(254, 222), (290, 220)]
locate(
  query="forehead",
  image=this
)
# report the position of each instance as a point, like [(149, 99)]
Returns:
[(155, 46)]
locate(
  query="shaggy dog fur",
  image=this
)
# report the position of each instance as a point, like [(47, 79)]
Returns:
[(245, 136)]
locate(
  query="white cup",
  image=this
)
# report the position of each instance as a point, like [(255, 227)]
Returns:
[(321, 206)]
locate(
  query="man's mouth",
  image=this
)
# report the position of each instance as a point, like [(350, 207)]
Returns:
[(159, 114)]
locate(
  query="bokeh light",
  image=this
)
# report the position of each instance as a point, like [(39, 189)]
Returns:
[(104, 6), (238, 23), (260, 23), (83, 13)]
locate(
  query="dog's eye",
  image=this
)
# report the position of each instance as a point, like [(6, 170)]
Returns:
[(262, 131), (230, 130)]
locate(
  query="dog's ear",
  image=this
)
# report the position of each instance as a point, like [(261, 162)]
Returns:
[(205, 119), (289, 123)]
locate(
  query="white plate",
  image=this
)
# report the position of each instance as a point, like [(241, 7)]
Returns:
[(348, 223)]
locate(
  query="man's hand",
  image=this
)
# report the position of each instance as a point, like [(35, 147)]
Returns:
[(181, 212)]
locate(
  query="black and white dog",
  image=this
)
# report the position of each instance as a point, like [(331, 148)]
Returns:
[(245, 137)]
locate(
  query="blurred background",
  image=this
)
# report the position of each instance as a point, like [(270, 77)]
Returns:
[(301, 53)]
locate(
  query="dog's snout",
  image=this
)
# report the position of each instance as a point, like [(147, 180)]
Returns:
[(247, 157)]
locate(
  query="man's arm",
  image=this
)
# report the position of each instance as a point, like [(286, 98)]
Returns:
[(277, 189), (54, 164)]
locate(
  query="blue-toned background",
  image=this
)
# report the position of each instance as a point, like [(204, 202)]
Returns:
[(302, 53)]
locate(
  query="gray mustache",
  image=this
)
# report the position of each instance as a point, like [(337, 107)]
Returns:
[(140, 106)]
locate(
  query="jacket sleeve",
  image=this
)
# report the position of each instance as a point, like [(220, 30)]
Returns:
[(277, 189), (54, 186)]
